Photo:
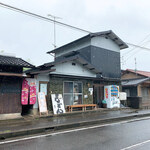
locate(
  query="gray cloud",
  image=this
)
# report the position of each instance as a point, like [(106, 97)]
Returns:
[(31, 38)]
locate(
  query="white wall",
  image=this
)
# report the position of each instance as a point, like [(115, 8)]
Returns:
[(65, 69), (69, 69), (39, 77), (105, 43), (95, 41)]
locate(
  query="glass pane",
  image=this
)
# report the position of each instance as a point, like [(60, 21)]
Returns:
[(77, 87), (68, 99), (43, 88), (68, 87), (77, 99)]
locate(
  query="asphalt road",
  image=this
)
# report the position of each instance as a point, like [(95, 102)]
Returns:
[(122, 136)]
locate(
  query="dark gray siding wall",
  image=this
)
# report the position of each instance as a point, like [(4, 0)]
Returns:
[(86, 53), (108, 62)]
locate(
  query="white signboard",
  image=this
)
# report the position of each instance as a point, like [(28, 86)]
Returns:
[(91, 91), (42, 103), (58, 104)]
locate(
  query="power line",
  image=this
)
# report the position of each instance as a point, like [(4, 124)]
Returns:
[(138, 51), (147, 49), (138, 46), (135, 48), (51, 20), (40, 17)]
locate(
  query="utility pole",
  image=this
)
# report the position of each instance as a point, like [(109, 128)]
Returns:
[(54, 17), (135, 65), (122, 62)]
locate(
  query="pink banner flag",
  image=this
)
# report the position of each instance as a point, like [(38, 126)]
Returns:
[(25, 92), (32, 91)]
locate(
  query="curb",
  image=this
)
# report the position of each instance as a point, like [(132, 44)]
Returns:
[(46, 129), (22, 120), (88, 112)]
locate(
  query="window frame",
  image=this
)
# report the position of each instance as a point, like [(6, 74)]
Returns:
[(73, 93), (43, 82)]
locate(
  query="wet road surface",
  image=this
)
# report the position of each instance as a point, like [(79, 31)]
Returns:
[(131, 135), (53, 121)]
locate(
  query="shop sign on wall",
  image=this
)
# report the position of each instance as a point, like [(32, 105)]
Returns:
[(91, 91), (28, 91), (58, 104), (106, 93)]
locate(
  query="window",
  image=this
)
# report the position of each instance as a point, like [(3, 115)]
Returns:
[(72, 93), (43, 87), (128, 92), (145, 93)]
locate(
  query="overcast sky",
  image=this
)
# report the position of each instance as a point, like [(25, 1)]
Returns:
[(30, 38)]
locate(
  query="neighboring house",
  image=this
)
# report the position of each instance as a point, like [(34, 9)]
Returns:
[(82, 68), (137, 84), (11, 74)]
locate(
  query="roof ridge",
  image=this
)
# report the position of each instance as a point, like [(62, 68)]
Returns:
[(8, 56), (90, 35), (138, 70)]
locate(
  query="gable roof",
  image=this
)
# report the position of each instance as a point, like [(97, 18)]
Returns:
[(109, 34), (79, 59), (13, 61), (142, 73)]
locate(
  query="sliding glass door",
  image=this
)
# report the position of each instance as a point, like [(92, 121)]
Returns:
[(72, 93)]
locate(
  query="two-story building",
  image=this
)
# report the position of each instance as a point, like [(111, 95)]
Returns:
[(82, 68)]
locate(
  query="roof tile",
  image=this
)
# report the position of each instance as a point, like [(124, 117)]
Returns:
[(14, 61), (143, 73)]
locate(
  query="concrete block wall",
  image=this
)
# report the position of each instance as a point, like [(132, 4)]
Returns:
[(55, 86), (86, 85)]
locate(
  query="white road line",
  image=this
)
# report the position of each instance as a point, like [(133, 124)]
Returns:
[(73, 130), (138, 144)]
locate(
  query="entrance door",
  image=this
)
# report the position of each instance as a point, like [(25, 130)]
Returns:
[(10, 95), (98, 94), (72, 92)]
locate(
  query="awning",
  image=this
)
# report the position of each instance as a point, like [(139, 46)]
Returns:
[(13, 74), (133, 82)]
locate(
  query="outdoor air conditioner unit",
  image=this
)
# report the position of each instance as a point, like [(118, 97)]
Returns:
[(122, 96)]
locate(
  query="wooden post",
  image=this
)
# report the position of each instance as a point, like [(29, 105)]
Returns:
[(139, 90)]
